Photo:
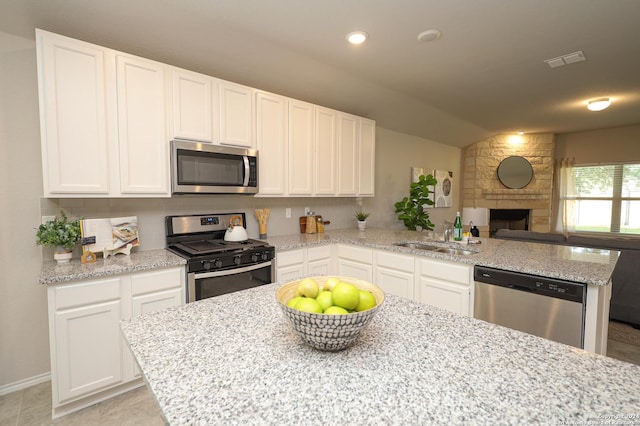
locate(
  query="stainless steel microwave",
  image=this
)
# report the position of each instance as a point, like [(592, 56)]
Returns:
[(202, 168)]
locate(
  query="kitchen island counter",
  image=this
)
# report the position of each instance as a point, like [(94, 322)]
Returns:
[(234, 359)]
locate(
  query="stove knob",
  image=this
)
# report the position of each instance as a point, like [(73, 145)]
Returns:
[(265, 255), (254, 257), (217, 263), (206, 265), (237, 260)]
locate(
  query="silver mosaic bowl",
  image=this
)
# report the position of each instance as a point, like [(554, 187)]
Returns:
[(328, 332)]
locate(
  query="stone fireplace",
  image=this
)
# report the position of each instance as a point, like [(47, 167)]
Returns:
[(482, 188)]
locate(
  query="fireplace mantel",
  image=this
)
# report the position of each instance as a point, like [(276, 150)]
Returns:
[(511, 194)]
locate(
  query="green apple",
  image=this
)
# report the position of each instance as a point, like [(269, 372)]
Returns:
[(346, 295), (367, 301), (325, 299), (330, 283), (292, 303), (308, 287), (335, 310), (307, 304)]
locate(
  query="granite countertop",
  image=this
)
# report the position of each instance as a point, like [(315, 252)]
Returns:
[(234, 359), (578, 264), (53, 273)]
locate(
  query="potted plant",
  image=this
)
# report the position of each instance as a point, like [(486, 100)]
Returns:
[(362, 219), (61, 234), (411, 208)]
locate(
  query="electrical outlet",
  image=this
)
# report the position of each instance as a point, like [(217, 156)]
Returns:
[(287, 213), (46, 219), (306, 211)]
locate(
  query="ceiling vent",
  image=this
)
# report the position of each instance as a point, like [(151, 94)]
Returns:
[(569, 58)]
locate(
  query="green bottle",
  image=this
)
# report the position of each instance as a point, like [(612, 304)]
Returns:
[(457, 228)]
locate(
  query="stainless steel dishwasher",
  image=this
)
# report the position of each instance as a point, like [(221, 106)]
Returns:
[(545, 307)]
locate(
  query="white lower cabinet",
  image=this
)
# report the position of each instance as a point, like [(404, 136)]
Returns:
[(302, 262), (319, 260), (440, 283), (352, 261), (447, 285), (394, 273), (90, 360)]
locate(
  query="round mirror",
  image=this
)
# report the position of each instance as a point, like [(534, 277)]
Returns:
[(515, 172)]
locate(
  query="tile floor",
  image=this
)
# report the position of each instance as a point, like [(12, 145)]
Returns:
[(32, 406)]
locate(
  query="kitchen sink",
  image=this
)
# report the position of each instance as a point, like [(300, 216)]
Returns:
[(439, 249)]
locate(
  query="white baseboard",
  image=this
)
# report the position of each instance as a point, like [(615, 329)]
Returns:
[(23, 384)]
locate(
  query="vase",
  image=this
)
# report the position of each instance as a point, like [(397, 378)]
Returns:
[(362, 224), (62, 255)]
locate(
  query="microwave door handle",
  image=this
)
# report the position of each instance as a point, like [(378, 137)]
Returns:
[(247, 171)]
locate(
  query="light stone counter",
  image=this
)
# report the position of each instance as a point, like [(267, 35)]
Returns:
[(53, 273), (579, 264), (234, 360)]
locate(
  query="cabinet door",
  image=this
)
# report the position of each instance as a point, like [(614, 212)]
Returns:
[(366, 157), (394, 273), (236, 114), (445, 295), (73, 115), (325, 152), (88, 346), (144, 148), (348, 130), (192, 105), (271, 132), (290, 265), (300, 143)]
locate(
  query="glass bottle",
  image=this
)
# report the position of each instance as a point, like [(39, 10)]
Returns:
[(457, 228)]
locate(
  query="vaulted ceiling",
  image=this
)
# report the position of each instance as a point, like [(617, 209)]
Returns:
[(485, 75)]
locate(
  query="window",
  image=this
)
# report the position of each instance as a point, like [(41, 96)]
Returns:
[(606, 198)]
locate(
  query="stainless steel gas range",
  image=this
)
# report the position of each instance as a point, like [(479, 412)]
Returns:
[(215, 266)]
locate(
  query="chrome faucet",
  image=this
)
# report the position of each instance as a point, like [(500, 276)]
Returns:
[(448, 231)]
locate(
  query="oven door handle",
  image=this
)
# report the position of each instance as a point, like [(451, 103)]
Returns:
[(232, 271)]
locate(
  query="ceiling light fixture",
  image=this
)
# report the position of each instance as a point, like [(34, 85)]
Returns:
[(599, 104), (429, 35), (357, 37)]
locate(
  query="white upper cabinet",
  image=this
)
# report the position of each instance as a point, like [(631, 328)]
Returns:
[(235, 109), (271, 135), (103, 121), (107, 118), (300, 143), (356, 155), (73, 115), (367, 157), (192, 105), (144, 148), (325, 151), (348, 132)]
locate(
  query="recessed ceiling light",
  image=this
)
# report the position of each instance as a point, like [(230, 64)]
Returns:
[(520, 132), (599, 104), (429, 35), (357, 37)]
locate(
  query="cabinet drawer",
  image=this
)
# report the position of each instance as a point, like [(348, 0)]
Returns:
[(398, 262), (148, 282), (447, 271), (87, 293), (356, 254), (287, 258), (318, 253)]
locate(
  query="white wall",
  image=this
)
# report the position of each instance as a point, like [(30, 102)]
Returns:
[(24, 342), (396, 153)]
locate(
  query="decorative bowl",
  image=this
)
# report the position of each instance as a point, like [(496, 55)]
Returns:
[(328, 332)]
